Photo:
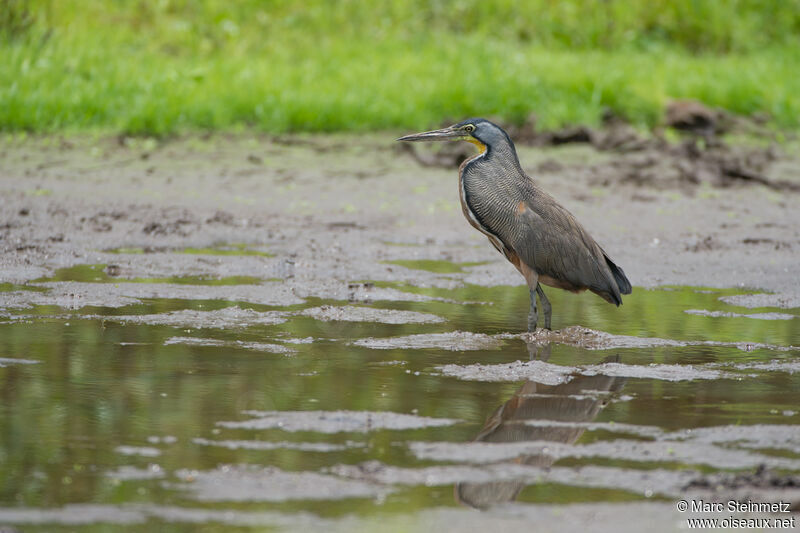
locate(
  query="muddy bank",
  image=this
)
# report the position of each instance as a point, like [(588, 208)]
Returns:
[(331, 211)]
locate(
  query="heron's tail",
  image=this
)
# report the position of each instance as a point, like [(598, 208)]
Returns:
[(619, 276)]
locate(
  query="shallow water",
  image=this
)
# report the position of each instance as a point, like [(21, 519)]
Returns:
[(219, 249), (107, 274), (279, 416)]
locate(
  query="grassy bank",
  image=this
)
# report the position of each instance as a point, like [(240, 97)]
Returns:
[(158, 68)]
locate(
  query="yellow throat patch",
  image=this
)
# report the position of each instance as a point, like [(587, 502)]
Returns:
[(476, 142)]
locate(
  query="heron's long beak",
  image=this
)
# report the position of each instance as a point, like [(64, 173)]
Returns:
[(444, 134)]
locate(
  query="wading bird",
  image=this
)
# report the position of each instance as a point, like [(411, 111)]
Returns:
[(533, 231)]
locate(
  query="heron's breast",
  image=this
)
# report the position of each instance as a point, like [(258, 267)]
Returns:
[(476, 220), (490, 198), (471, 216)]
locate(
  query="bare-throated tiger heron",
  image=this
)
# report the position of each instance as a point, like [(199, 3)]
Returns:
[(535, 233)]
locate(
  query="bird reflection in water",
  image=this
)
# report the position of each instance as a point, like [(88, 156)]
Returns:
[(579, 400)]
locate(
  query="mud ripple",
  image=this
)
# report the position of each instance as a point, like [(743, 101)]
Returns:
[(65, 297), (351, 313), (761, 299), (243, 483), (783, 437), (538, 371), (72, 515), (256, 346), (656, 481), (551, 374), (229, 317), (611, 427), (131, 473), (335, 421), (728, 314), (282, 445), (694, 453), (455, 341), (600, 517), (590, 339), (5, 361), (358, 292), (74, 294), (656, 371), (776, 365), (304, 340), (80, 514), (142, 451)]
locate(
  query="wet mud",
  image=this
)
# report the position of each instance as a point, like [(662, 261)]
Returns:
[(265, 445), (368, 314), (225, 318), (550, 374), (588, 339), (216, 343), (756, 316), (456, 341), (334, 421), (249, 483), (5, 361), (193, 340)]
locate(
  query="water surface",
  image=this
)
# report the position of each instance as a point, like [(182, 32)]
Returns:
[(284, 421)]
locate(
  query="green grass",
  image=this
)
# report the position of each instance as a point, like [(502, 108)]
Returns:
[(159, 68)]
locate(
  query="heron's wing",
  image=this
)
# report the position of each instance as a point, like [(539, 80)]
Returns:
[(552, 242)]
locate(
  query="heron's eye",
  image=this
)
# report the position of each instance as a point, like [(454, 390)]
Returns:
[(469, 128)]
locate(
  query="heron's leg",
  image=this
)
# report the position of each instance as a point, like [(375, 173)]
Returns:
[(546, 308), (532, 315)]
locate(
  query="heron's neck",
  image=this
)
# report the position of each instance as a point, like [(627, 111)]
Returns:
[(503, 152), (492, 176), (500, 153), (500, 156)]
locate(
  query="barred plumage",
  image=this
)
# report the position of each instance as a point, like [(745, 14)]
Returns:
[(536, 234)]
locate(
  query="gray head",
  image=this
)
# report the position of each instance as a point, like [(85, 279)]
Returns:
[(479, 131)]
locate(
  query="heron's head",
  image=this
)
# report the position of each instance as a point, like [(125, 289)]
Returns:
[(478, 131)]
